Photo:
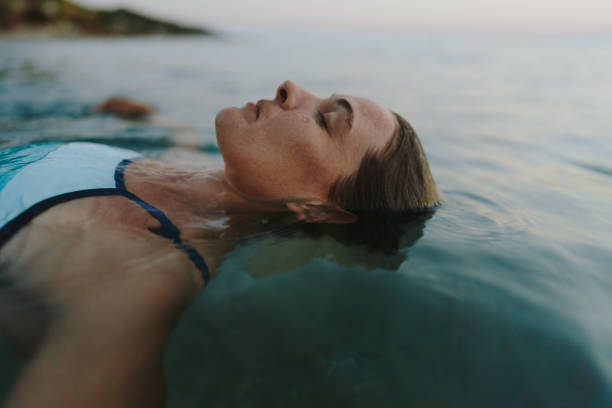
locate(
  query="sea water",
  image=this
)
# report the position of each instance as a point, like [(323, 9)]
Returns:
[(501, 298)]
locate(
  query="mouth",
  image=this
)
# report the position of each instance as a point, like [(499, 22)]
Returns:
[(255, 109)]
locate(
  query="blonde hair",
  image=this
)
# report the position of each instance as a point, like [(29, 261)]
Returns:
[(395, 179)]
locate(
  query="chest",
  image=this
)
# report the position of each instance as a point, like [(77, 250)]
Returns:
[(67, 227)]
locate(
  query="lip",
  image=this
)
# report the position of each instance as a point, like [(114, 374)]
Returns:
[(252, 108), (258, 106)]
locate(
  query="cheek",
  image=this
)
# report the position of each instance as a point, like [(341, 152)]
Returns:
[(281, 170), (274, 162)]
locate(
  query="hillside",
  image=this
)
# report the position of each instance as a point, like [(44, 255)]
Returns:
[(63, 17)]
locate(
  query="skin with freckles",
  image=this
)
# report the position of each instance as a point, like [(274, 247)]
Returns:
[(298, 144), (109, 290)]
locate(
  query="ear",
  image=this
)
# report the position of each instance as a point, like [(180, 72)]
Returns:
[(316, 211)]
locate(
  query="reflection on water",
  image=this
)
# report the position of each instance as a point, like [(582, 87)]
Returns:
[(499, 298), (352, 338), (372, 243)]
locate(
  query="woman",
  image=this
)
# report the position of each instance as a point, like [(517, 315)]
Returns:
[(112, 246)]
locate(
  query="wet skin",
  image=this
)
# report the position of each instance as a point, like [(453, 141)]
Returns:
[(297, 144), (112, 291)]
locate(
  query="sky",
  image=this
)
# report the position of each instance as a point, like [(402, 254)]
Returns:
[(529, 15)]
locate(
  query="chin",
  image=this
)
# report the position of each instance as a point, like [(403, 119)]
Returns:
[(223, 117), (229, 130), (227, 122)]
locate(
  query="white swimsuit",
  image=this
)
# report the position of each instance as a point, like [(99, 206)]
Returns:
[(36, 177)]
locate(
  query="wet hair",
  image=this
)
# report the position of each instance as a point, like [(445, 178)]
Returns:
[(376, 233), (395, 179)]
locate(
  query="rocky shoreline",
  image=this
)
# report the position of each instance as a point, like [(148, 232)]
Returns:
[(66, 18)]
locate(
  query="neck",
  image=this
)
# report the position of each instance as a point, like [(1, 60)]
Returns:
[(200, 192), (231, 201), (202, 204), (213, 192)]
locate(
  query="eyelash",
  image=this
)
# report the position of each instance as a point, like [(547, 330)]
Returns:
[(322, 121)]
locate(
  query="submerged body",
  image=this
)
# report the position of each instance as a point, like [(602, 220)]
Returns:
[(100, 244), (55, 174), (101, 260)]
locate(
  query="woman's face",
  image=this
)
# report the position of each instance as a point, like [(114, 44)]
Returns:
[(297, 144)]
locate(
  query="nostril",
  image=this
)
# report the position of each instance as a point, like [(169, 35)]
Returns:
[(283, 95)]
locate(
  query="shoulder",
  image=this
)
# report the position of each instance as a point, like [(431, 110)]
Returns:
[(74, 250)]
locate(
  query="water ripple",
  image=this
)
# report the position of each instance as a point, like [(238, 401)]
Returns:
[(474, 217), (597, 168)]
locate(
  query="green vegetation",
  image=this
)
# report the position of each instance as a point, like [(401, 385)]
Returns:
[(63, 17)]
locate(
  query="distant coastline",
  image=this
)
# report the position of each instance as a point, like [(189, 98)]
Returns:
[(67, 18)]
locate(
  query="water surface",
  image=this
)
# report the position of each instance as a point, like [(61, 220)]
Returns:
[(501, 298)]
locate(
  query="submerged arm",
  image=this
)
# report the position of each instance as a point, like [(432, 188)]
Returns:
[(112, 307)]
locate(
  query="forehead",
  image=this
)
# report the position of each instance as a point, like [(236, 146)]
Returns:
[(373, 124)]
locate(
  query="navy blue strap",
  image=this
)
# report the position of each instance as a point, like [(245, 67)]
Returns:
[(167, 229), (25, 217)]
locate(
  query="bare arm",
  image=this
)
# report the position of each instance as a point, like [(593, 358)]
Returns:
[(107, 367), (112, 307)]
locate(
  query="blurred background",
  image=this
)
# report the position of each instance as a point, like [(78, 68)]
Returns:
[(501, 298), (440, 15)]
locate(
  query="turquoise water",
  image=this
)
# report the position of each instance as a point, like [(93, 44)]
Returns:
[(501, 298)]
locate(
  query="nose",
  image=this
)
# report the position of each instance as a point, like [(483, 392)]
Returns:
[(289, 94)]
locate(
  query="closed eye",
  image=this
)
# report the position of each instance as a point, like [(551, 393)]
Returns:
[(322, 122)]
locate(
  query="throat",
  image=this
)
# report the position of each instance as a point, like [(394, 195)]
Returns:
[(194, 199), (181, 192)]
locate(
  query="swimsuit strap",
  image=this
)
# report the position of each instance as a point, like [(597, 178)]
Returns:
[(13, 226), (167, 229)]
